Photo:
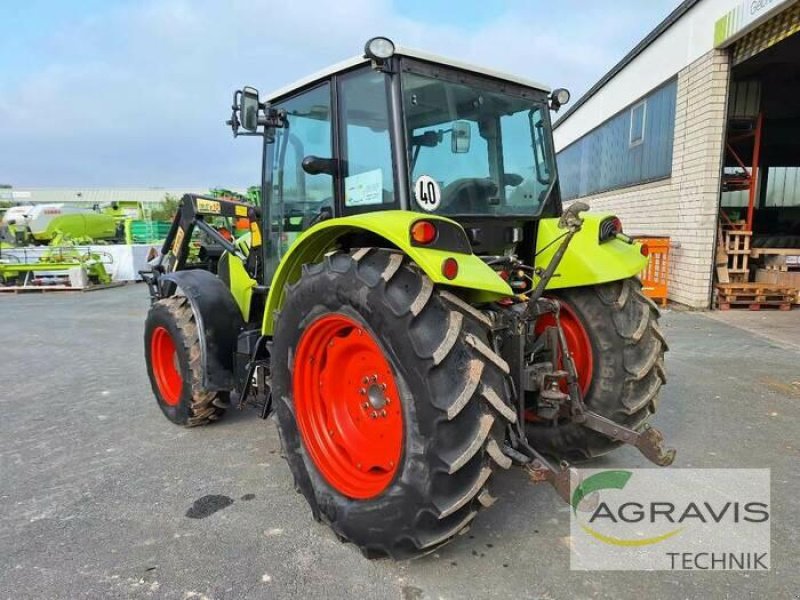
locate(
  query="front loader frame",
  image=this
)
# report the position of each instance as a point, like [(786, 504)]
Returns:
[(192, 212), (220, 318)]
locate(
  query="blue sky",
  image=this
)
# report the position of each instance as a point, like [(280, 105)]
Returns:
[(134, 93)]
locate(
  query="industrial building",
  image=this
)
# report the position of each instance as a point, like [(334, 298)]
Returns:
[(84, 195), (702, 117)]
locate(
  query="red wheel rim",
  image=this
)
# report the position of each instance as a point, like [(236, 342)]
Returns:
[(164, 360), (347, 406), (578, 343)]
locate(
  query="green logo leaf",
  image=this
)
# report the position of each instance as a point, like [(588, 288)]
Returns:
[(599, 481)]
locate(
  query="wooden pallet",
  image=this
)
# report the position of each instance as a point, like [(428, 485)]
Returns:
[(754, 296), (787, 278), (775, 262), (756, 252), (737, 249), (737, 241), (721, 305)]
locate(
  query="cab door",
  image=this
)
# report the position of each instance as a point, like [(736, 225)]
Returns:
[(296, 199), (366, 168)]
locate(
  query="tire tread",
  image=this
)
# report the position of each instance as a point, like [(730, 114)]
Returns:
[(463, 447)]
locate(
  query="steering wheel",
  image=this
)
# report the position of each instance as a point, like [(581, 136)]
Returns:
[(468, 194)]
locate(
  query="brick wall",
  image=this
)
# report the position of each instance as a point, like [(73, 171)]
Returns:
[(685, 206)]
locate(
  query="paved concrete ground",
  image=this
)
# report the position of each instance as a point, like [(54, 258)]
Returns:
[(775, 325), (95, 484)]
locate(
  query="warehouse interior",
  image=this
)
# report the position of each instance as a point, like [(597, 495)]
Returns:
[(761, 176)]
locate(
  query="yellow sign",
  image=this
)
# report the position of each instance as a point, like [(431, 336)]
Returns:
[(255, 235), (241, 211), (176, 245), (210, 206)]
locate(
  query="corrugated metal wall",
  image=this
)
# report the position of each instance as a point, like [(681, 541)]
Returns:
[(744, 100), (607, 158), (783, 189)]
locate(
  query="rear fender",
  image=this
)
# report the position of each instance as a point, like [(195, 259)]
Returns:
[(587, 261), (393, 226), (218, 319)]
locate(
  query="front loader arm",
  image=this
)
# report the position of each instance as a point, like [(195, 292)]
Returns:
[(191, 213)]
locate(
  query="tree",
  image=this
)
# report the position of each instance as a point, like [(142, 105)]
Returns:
[(166, 210)]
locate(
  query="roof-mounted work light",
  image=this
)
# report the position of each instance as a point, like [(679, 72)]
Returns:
[(558, 98), (379, 49)]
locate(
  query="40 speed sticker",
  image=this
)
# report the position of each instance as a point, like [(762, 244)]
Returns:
[(427, 193)]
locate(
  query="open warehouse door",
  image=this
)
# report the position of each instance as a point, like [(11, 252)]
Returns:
[(758, 253)]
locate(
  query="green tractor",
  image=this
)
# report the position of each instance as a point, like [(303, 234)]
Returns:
[(412, 300)]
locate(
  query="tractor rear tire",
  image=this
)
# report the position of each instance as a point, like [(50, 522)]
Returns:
[(172, 354), (447, 417), (627, 366)]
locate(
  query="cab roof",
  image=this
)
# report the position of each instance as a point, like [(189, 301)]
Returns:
[(411, 53)]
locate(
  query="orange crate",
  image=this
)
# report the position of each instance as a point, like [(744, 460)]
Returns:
[(655, 275)]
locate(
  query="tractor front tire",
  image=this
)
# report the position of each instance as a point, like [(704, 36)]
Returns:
[(391, 405), (614, 338), (173, 357)]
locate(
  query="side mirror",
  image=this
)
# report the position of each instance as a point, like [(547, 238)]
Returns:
[(248, 109), (460, 137)]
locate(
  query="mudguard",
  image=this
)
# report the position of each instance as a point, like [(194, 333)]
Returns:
[(587, 261), (394, 226), (218, 318)]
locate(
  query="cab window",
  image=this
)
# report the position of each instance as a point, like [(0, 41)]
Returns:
[(366, 146), (299, 200)]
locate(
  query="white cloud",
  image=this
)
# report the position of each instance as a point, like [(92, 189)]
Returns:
[(138, 95)]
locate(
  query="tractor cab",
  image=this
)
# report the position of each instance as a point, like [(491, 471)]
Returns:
[(398, 129)]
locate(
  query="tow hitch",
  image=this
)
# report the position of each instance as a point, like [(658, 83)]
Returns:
[(557, 385), (650, 441)]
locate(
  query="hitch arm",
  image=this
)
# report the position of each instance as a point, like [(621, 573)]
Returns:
[(541, 470), (650, 441), (560, 478), (572, 222)]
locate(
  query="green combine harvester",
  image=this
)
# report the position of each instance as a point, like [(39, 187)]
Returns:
[(414, 303)]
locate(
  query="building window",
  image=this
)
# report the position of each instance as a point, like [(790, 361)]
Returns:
[(632, 147), (638, 116)]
